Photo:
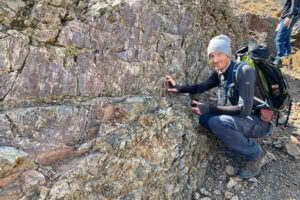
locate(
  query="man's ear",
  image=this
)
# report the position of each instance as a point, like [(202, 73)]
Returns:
[(210, 63), (229, 58)]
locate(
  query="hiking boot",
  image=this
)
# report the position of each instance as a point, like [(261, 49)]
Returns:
[(282, 119), (253, 167)]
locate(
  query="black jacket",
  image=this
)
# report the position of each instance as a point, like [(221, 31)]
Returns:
[(291, 9), (245, 88)]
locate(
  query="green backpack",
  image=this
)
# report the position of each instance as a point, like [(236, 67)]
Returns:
[(270, 80)]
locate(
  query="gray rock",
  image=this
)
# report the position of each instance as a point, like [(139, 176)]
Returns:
[(253, 180), (13, 161), (228, 195), (14, 164), (204, 192), (231, 183), (277, 144), (76, 34), (267, 142), (32, 178), (9, 10), (196, 196), (205, 198), (217, 192), (293, 149), (296, 133), (230, 170), (235, 198)]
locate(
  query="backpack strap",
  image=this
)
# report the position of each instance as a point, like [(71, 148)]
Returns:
[(236, 68)]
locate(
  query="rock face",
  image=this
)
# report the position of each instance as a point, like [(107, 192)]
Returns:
[(262, 29), (146, 147), (83, 111)]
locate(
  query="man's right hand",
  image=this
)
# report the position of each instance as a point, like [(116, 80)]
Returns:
[(287, 22), (171, 83)]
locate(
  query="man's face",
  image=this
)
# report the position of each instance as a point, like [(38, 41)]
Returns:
[(219, 61)]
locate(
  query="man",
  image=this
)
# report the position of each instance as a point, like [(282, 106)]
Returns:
[(289, 16), (237, 120)]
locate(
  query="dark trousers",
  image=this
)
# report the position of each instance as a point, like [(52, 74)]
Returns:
[(238, 133), (283, 39)]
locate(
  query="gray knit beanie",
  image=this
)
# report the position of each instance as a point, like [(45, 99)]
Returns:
[(221, 44)]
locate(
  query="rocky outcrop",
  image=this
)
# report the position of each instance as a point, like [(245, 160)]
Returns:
[(262, 29), (82, 103), (138, 147)]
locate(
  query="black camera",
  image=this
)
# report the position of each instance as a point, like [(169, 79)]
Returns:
[(194, 104)]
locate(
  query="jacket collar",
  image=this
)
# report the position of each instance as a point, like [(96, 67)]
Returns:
[(229, 69)]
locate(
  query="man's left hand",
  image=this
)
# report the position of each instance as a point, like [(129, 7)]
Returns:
[(196, 110), (195, 107)]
